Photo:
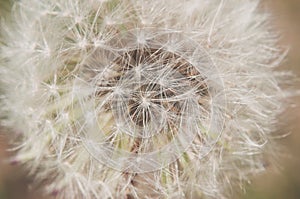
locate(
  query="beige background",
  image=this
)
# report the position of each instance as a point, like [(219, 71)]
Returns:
[(13, 183), (285, 185)]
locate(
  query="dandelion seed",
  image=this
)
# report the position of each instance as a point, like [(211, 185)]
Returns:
[(140, 99)]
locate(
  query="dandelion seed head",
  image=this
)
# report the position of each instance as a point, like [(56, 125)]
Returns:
[(141, 99)]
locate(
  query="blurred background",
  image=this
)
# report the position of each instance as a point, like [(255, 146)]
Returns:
[(272, 185), (286, 184)]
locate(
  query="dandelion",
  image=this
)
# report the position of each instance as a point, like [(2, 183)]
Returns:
[(140, 99)]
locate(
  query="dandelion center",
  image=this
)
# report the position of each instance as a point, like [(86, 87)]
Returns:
[(156, 103)]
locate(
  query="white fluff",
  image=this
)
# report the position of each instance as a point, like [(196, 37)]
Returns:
[(191, 117)]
